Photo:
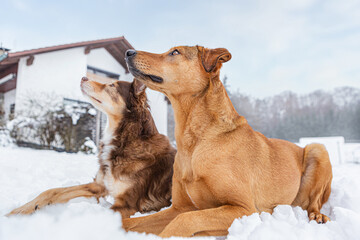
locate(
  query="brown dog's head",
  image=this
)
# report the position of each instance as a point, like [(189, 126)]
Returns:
[(179, 70), (115, 97)]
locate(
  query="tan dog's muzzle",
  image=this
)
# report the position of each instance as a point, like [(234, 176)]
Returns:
[(136, 72)]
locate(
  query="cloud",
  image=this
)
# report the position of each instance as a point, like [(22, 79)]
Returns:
[(20, 5)]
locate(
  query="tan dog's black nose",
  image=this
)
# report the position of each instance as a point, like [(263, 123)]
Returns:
[(130, 53), (84, 79)]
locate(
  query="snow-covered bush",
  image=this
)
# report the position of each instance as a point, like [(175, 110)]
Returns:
[(2, 110), (89, 147), (51, 122), (5, 138), (78, 123)]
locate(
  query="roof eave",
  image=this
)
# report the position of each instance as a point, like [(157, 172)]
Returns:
[(120, 45), (3, 56)]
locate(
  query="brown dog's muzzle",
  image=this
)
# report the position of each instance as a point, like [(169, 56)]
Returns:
[(129, 58)]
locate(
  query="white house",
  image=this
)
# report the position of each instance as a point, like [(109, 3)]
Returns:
[(59, 69)]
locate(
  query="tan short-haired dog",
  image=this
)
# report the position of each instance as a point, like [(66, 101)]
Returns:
[(223, 168)]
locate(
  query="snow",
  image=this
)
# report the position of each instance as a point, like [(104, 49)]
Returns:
[(25, 173), (89, 143), (334, 146), (92, 111), (89, 146), (75, 110), (352, 152), (5, 138)]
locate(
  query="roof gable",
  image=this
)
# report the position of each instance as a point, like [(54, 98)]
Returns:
[(115, 46)]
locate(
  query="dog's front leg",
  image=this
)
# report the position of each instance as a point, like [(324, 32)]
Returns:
[(61, 195), (154, 223), (208, 222)]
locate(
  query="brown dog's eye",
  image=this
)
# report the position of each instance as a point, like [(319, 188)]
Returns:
[(175, 52)]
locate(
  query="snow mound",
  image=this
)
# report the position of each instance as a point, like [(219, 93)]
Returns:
[(82, 220), (288, 222), (25, 173)]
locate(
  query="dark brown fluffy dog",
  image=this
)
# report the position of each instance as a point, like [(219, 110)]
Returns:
[(136, 162)]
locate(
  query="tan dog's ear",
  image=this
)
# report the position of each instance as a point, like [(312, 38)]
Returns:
[(138, 87), (210, 58)]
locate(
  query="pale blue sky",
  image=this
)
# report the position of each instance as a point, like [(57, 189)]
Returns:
[(297, 45)]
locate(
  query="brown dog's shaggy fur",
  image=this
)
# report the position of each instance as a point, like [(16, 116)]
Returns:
[(135, 160), (223, 168)]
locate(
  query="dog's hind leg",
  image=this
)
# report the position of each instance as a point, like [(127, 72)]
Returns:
[(61, 195), (315, 184)]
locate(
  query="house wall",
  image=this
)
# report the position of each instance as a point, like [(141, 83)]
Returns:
[(158, 107), (56, 72), (60, 73), (102, 59), (9, 98)]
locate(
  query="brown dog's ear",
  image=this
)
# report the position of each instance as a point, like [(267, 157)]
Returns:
[(210, 58), (138, 87)]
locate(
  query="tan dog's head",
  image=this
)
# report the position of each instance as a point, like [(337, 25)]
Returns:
[(113, 98), (180, 70)]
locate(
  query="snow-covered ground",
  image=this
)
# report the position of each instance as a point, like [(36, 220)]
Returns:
[(24, 173)]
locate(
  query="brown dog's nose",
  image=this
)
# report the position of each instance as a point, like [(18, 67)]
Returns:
[(130, 53), (84, 79)]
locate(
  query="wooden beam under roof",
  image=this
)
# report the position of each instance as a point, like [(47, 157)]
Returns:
[(11, 84), (118, 55)]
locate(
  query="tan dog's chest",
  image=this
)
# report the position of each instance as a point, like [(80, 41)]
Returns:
[(196, 172)]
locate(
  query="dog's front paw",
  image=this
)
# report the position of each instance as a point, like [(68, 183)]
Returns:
[(318, 217), (24, 210)]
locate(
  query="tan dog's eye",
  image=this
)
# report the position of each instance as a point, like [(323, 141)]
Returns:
[(175, 52), (112, 85)]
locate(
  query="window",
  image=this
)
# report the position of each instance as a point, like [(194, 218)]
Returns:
[(2, 108), (12, 108), (12, 112)]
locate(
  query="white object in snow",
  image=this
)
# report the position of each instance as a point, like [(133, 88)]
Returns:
[(334, 145)]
